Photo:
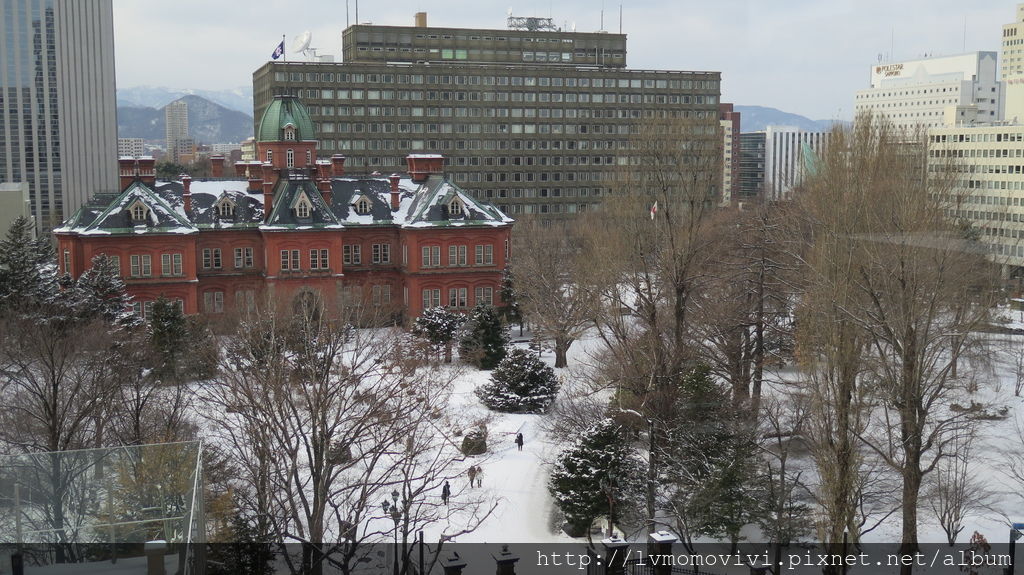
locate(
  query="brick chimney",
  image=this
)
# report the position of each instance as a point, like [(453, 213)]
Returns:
[(396, 197), (337, 165), (240, 168), (186, 193), (324, 185), (127, 170), (323, 169), (147, 170), (217, 165), (421, 166)]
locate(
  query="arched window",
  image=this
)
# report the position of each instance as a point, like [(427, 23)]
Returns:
[(309, 157), (290, 158), (363, 206), (226, 208), (289, 133), (303, 209), (455, 207), (139, 211)]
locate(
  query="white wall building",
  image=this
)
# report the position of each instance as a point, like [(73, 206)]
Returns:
[(131, 147), (932, 92), (784, 158), (1012, 63), (989, 165)]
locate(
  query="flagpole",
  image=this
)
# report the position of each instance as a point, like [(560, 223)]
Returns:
[(284, 50)]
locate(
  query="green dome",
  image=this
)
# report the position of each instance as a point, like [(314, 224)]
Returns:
[(282, 112)]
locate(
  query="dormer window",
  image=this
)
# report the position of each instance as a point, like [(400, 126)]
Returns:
[(303, 209), (363, 205), (455, 208), (289, 133), (226, 208), (139, 211)]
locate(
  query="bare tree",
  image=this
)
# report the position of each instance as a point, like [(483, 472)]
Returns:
[(955, 490), (549, 282), (327, 421)]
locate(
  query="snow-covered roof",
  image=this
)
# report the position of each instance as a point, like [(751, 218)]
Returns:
[(420, 204)]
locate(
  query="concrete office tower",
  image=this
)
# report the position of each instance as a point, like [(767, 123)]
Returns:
[(729, 120), (531, 118), (58, 125), (752, 158), (931, 92), (176, 125), (1012, 63)]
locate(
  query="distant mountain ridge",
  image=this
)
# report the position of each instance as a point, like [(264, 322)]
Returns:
[(238, 99), (208, 122), (756, 118)]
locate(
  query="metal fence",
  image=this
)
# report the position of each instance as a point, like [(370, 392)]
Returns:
[(96, 504)]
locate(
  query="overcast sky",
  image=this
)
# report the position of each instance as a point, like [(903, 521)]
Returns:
[(801, 56)]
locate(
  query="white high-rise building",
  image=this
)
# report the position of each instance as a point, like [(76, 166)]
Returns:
[(176, 123), (935, 91), (1012, 62), (58, 124), (131, 147), (785, 158)]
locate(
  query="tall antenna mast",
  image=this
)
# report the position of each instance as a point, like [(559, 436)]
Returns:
[(620, 18), (347, 11)]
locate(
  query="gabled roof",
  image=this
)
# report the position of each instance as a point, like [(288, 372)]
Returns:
[(286, 196), (115, 218)]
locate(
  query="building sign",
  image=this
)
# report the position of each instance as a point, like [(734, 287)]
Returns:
[(889, 70)]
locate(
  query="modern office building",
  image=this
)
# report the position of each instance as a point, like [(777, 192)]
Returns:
[(1012, 65), (752, 162), (772, 161), (532, 118), (937, 91), (58, 124), (989, 166)]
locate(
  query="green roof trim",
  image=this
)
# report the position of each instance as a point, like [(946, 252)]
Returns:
[(284, 111)]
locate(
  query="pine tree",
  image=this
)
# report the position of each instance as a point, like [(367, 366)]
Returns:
[(485, 338), (28, 274), (713, 460), (510, 311), (599, 469), (439, 326), (101, 293), (168, 334), (521, 383)]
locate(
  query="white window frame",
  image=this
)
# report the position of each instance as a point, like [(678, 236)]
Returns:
[(485, 255), (381, 253)]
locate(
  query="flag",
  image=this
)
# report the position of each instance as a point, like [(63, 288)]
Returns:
[(279, 51), (654, 209)]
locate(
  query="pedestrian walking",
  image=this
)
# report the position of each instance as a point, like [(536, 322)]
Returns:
[(519, 441), (479, 476), (446, 492), (472, 475)]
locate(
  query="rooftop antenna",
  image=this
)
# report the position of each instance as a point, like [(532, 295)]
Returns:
[(620, 18), (346, 14), (301, 44), (602, 15)]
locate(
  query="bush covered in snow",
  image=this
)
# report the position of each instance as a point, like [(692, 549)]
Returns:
[(439, 326), (484, 338), (521, 383)]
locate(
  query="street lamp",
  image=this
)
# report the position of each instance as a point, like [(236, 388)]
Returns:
[(396, 516)]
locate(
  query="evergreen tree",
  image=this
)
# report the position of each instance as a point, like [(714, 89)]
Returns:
[(248, 552), (600, 469), (101, 293), (439, 326), (713, 464), (484, 338), (521, 383), (28, 275), (510, 311), (168, 336)]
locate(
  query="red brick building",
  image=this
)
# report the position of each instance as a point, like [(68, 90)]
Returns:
[(291, 225)]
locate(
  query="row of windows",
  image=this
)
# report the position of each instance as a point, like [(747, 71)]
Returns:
[(977, 137), (458, 96), (458, 297), (431, 255), (352, 254), (212, 258), (482, 80)]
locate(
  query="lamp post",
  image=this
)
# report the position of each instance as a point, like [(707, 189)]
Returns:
[(396, 516)]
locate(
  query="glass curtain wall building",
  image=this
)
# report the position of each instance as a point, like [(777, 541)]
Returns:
[(58, 125)]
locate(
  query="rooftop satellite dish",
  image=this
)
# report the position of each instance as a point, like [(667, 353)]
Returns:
[(301, 44)]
